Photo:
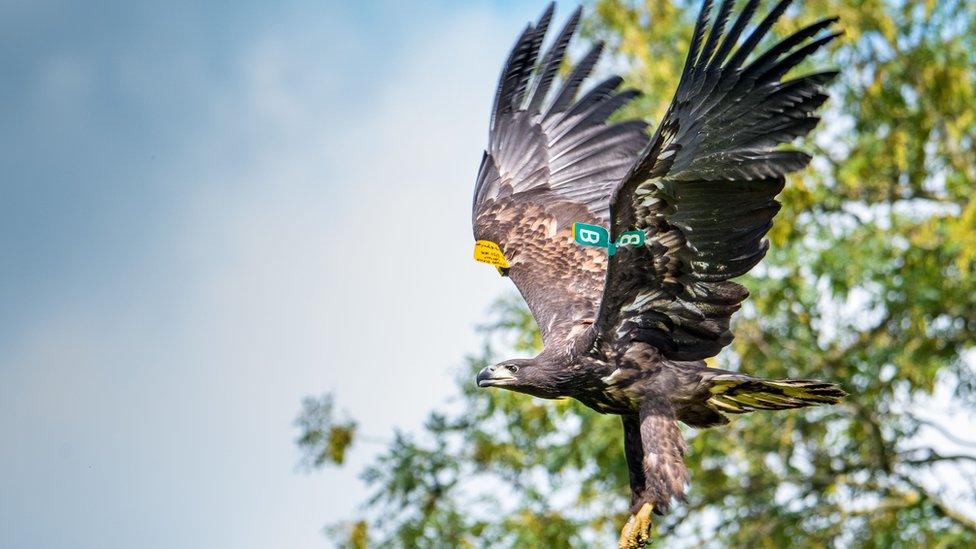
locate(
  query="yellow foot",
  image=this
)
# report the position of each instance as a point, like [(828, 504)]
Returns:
[(637, 531)]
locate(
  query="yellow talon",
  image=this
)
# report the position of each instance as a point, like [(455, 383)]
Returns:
[(637, 532)]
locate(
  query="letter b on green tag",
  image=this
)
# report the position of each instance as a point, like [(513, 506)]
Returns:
[(631, 238), (591, 235)]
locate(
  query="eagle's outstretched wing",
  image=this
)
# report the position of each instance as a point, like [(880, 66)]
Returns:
[(552, 161), (703, 190)]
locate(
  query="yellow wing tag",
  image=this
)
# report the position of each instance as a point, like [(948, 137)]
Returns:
[(488, 252)]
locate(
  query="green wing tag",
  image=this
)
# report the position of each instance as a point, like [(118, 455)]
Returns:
[(594, 235), (591, 235), (631, 238)]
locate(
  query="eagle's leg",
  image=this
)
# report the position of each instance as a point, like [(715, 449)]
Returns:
[(637, 532), (634, 451), (655, 458)]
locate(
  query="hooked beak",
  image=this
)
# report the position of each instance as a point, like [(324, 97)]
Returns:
[(493, 376)]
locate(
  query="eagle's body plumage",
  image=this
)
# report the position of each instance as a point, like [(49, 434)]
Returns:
[(628, 334)]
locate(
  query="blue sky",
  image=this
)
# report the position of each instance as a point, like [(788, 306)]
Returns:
[(209, 211)]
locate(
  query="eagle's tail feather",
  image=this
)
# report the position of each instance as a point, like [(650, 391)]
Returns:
[(738, 394)]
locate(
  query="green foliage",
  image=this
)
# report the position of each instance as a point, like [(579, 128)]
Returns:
[(870, 281), (323, 440)]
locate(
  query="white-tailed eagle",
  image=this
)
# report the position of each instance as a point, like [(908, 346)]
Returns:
[(628, 333)]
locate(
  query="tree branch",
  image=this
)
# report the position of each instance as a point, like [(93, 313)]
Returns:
[(940, 506), (935, 457), (944, 432)]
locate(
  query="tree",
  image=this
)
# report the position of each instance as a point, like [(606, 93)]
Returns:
[(870, 281)]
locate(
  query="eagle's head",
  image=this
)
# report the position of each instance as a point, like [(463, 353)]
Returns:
[(525, 375)]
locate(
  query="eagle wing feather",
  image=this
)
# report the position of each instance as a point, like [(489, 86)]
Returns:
[(703, 190), (552, 162)]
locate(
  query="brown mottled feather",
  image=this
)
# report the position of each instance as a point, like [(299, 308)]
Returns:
[(560, 281), (550, 164)]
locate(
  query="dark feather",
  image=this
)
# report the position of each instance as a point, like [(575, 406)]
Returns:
[(550, 63), (704, 188), (576, 77)]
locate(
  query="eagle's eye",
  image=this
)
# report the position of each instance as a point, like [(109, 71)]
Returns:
[(511, 368)]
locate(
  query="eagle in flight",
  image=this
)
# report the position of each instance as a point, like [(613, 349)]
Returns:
[(627, 333)]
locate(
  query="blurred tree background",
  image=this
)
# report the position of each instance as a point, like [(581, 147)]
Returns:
[(870, 281)]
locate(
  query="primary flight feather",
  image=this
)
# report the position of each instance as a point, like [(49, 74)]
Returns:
[(628, 333)]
